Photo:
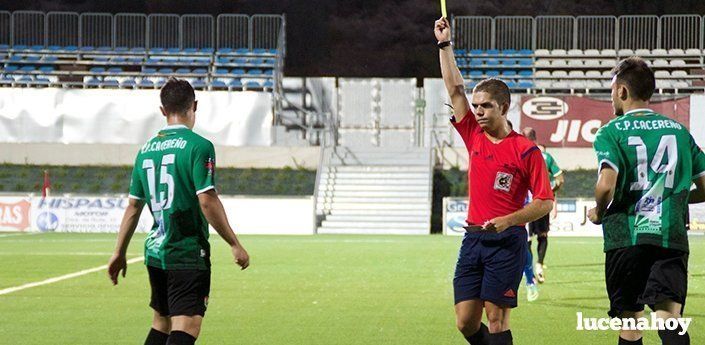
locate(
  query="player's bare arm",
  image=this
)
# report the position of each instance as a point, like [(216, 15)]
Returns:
[(214, 212), (697, 195), (127, 228), (604, 192), (450, 72), (536, 209)]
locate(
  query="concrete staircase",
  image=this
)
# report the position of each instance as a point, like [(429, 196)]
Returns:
[(374, 191)]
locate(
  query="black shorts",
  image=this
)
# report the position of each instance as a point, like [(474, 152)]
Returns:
[(540, 226), (490, 266), (179, 292), (645, 274)]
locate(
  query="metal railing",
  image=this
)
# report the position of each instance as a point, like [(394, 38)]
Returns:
[(131, 30), (582, 32)]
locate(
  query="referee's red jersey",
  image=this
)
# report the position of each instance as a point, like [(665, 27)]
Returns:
[(501, 174)]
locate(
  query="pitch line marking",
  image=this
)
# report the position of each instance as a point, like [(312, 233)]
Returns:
[(63, 277)]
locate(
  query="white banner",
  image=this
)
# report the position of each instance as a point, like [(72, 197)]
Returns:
[(270, 215), (90, 116), (570, 220), (82, 214)]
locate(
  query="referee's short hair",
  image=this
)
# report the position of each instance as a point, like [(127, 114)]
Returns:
[(498, 90), (177, 96), (637, 76)]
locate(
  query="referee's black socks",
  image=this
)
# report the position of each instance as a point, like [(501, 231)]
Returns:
[(180, 338), (671, 337), (502, 338), (156, 338), (481, 337)]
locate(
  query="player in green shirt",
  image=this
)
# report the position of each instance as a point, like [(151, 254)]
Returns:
[(542, 226), (647, 164), (174, 174)]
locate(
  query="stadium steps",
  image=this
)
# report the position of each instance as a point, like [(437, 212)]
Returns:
[(375, 191)]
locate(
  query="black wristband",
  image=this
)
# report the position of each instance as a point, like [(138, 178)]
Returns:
[(442, 45)]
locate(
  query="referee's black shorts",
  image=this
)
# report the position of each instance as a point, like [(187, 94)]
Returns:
[(645, 274), (179, 292)]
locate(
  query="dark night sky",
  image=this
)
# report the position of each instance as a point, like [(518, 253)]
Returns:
[(364, 38)]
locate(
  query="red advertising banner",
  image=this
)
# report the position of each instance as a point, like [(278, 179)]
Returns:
[(14, 215), (573, 121)]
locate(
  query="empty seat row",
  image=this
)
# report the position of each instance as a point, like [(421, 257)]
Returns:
[(240, 71), (608, 63), (494, 62), (521, 84), (245, 51), (495, 73), (491, 52), (246, 61), (620, 52)]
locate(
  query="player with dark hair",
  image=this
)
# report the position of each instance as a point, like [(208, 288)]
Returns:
[(504, 166), (542, 226), (174, 174), (647, 164)]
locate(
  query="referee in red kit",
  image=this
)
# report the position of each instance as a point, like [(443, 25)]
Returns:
[(504, 166)]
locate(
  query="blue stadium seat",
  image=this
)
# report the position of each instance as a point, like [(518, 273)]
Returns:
[(475, 74), (152, 61), (28, 68), (36, 47), (135, 60), (238, 71), (218, 84), (252, 85), (102, 58), (54, 48), (25, 79), (173, 50), (223, 60), (492, 52), (269, 84), (256, 61), (476, 62), (260, 51), (269, 72), (11, 68), (200, 71), (15, 58), (128, 83), (225, 50), (50, 58), (476, 52), (526, 52), (92, 82), (269, 62), (137, 50), (4, 47), (511, 84), (526, 62), (121, 49), (470, 85), (110, 83), (242, 51), (183, 71), (240, 60), (97, 70), (235, 83), (492, 73), (71, 48), (207, 50), (255, 71), (509, 73), (115, 70), (492, 62), (5, 79), (20, 47), (221, 71), (104, 49), (33, 58), (156, 50), (525, 84), (46, 69), (149, 70), (508, 62), (526, 73), (509, 52), (198, 84), (166, 70), (160, 82), (145, 83), (459, 52), (190, 50), (273, 51), (87, 48), (118, 59)]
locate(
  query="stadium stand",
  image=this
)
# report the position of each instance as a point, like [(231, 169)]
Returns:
[(98, 50), (575, 54)]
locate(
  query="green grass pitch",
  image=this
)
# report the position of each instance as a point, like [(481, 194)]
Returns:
[(305, 290)]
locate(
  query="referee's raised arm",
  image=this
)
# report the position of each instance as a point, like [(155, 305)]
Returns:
[(449, 70)]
